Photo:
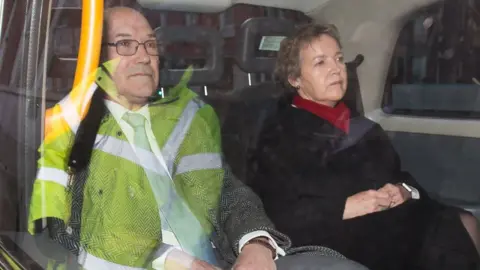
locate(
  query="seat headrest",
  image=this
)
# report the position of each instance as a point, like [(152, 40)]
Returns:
[(259, 43), (353, 96), (208, 37), (355, 63)]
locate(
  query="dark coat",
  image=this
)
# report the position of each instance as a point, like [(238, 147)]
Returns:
[(304, 169)]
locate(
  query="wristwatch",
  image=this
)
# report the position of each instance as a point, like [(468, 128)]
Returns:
[(264, 242), (413, 192)]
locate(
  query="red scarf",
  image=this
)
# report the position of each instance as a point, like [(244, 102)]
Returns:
[(339, 116)]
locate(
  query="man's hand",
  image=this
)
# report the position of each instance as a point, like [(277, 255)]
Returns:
[(255, 257), (397, 193), (366, 202), (202, 265), (179, 260)]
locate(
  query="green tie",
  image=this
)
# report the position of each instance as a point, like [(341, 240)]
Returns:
[(159, 184), (137, 121)]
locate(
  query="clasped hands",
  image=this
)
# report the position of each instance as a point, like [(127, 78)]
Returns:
[(371, 201)]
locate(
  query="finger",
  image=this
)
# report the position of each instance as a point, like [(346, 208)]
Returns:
[(388, 191), (384, 187), (396, 189), (399, 196), (390, 185), (383, 194), (400, 193), (397, 200), (383, 203)]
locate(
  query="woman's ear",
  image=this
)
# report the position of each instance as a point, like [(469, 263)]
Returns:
[(294, 82)]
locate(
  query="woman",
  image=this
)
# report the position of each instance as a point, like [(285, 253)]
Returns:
[(329, 177)]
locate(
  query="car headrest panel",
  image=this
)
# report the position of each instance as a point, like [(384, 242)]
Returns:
[(212, 70), (259, 42)]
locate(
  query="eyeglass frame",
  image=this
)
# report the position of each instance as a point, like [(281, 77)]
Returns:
[(115, 44)]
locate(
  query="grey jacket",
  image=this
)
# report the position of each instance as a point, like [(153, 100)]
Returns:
[(242, 212)]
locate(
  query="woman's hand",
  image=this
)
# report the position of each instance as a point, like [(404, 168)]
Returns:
[(367, 202), (397, 193)]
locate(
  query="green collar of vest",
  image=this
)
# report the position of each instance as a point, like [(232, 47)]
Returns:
[(172, 94)]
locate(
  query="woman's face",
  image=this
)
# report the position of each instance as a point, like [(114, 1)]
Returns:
[(323, 75)]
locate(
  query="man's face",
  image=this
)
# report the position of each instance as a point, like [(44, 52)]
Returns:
[(136, 76)]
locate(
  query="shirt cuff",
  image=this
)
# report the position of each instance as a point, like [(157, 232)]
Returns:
[(159, 262), (255, 234), (175, 256), (413, 191)]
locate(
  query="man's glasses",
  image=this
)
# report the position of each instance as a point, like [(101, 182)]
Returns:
[(128, 47)]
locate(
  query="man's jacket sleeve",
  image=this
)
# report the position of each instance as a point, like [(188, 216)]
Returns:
[(50, 197), (230, 208)]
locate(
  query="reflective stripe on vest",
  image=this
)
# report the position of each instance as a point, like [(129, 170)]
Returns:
[(69, 107), (91, 262), (123, 149), (52, 174), (173, 143), (202, 161)]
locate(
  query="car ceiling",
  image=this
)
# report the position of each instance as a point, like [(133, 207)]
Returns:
[(305, 6)]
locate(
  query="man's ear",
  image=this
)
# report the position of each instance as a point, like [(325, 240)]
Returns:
[(294, 82)]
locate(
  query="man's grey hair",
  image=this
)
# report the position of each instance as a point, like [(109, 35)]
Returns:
[(108, 6)]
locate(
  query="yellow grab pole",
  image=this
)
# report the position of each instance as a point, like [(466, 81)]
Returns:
[(87, 63), (90, 39)]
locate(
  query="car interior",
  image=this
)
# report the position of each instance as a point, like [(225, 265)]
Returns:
[(391, 48)]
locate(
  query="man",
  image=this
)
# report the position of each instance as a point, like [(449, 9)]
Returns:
[(144, 184)]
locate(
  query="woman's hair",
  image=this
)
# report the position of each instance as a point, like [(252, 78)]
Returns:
[(288, 60)]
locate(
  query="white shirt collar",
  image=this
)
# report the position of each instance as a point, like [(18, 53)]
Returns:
[(118, 111)]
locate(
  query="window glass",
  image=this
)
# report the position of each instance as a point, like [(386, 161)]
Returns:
[(435, 65)]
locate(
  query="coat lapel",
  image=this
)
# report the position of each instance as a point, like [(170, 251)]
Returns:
[(358, 128), (318, 132)]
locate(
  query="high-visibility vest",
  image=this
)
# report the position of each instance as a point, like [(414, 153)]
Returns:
[(114, 235)]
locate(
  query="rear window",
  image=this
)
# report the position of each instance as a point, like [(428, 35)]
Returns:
[(435, 67)]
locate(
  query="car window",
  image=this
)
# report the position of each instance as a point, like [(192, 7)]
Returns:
[(434, 66)]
